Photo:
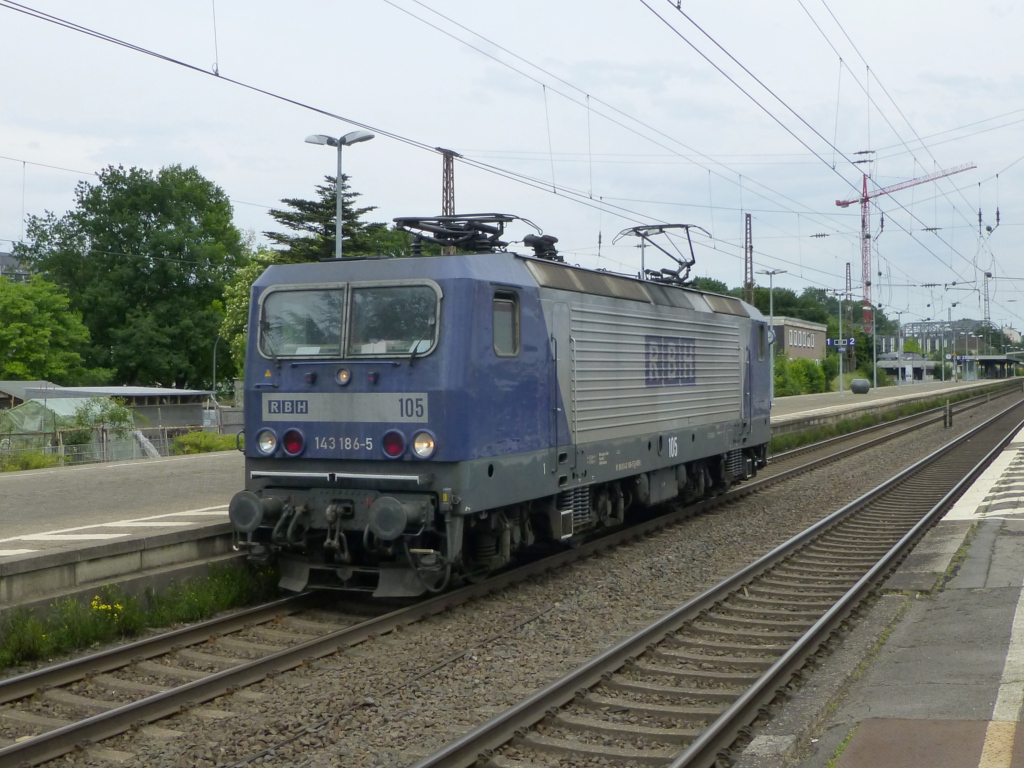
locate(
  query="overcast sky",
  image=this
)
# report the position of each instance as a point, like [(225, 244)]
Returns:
[(583, 117)]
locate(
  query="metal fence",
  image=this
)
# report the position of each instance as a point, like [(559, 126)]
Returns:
[(66, 445)]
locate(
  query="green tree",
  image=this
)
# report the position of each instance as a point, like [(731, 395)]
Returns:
[(710, 285), (314, 221), (144, 258), (236, 301), (40, 337), (109, 413)]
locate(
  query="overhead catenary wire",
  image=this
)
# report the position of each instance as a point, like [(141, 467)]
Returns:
[(575, 195), (614, 120), (774, 95), (588, 190)]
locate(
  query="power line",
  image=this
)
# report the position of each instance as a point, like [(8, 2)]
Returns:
[(491, 43)]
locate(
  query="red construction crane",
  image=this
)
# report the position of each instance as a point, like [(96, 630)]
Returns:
[(865, 227)]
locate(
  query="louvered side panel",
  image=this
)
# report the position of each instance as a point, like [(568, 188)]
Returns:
[(652, 371)]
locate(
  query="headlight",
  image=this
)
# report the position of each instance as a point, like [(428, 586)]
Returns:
[(423, 445), (343, 376), (266, 441)]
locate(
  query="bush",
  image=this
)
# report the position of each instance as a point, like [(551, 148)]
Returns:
[(830, 365), (814, 376), (19, 460), (799, 376), (203, 442)]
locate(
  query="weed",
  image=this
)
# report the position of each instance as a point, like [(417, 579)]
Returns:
[(19, 460), (840, 749), (111, 615)]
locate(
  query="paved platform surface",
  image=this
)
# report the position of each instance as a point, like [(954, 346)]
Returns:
[(933, 675), (828, 402), (62, 508)]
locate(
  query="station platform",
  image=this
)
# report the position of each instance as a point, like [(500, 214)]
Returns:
[(799, 412), (932, 676), (141, 524)]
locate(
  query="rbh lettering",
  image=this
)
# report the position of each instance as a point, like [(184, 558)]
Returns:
[(288, 406), (670, 361)]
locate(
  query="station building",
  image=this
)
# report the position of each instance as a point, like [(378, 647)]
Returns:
[(152, 406), (12, 269), (799, 338)]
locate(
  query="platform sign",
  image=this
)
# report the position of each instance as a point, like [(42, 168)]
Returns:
[(842, 343), (957, 358)]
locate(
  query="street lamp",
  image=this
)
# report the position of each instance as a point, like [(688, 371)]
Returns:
[(216, 341), (349, 138), (968, 350), (771, 324), (874, 348), (899, 342)]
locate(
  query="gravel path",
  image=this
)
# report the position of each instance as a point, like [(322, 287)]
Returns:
[(457, 670)]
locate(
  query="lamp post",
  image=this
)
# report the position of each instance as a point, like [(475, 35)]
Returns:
[(977, 354), (967, 351), (899, 342), (842, 346), (349, 138), (942, 353), (842, 341), (874, 349), (771, 324), (216, 341)]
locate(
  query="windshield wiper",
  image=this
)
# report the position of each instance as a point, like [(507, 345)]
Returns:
[(268, 343)]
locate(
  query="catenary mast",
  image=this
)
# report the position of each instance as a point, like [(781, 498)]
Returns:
[(865, 226)]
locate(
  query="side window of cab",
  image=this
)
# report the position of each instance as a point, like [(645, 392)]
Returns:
[(505, 323)]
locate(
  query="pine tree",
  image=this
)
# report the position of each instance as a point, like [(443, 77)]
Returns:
[(314, 221)]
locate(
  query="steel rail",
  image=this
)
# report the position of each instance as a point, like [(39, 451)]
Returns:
[(721, 733), (489, 736)]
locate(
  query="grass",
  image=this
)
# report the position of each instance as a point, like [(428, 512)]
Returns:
[(840, 749), (70, 625)]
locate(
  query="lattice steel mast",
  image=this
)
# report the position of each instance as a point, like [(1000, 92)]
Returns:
[(865, 226)]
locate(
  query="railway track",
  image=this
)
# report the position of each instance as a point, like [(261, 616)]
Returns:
[(683, 690), (54, 711)]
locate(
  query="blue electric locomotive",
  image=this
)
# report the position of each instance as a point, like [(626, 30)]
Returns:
[(413, 421)]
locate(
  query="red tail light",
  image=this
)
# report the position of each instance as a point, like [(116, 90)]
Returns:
[(293, 442), (394, 444)]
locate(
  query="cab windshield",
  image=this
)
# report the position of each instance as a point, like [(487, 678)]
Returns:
[(382, 320), (302, 323), (392, 320)]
